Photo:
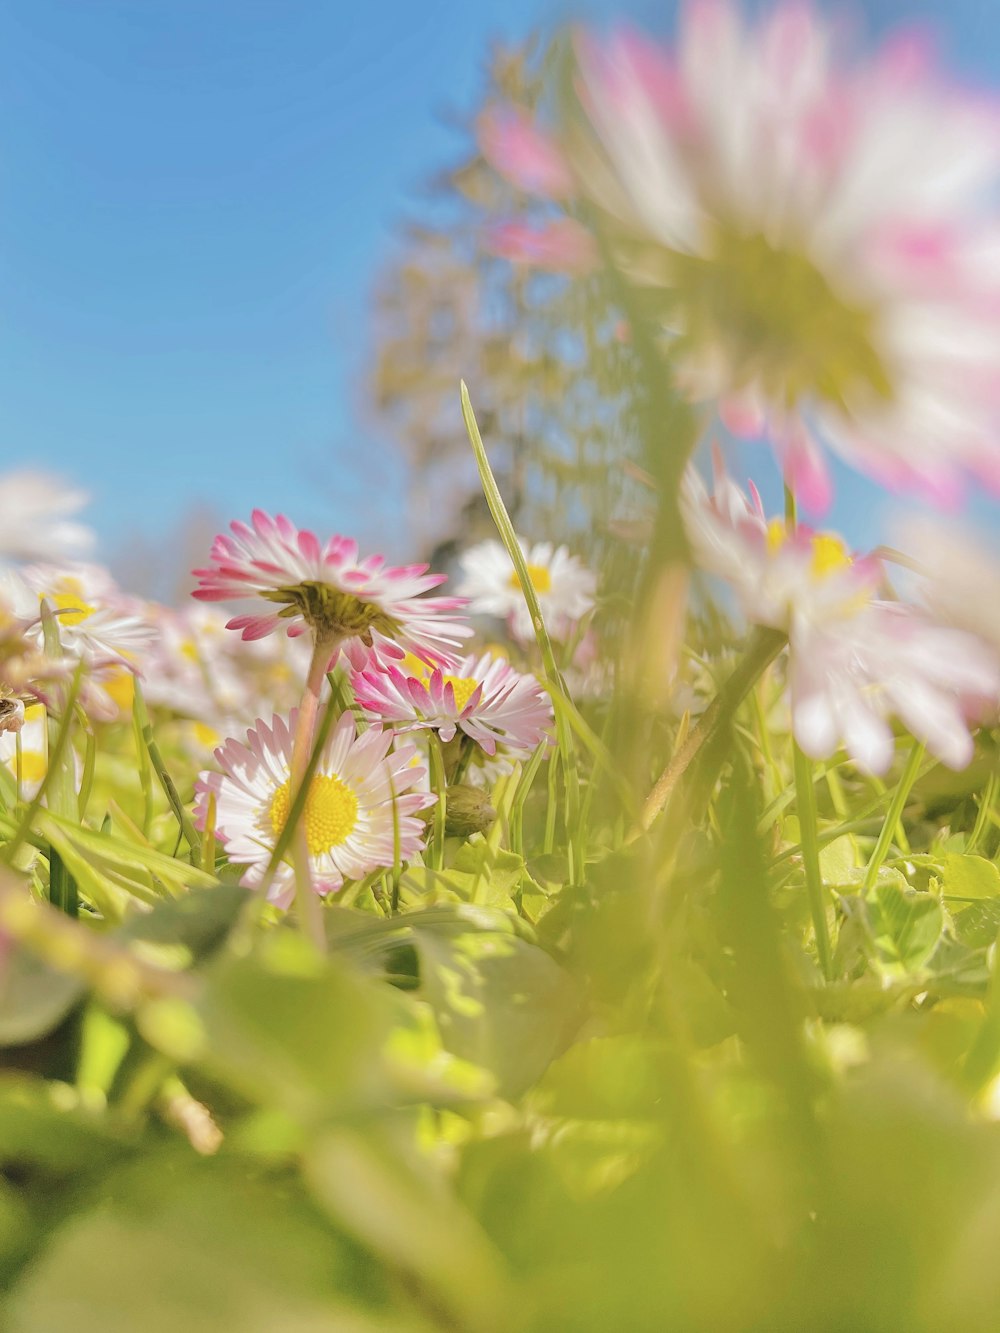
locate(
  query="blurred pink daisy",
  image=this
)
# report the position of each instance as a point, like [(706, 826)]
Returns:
[(324, 587), (854, 660), (484, 697), (356, 793), (781, 575), (816, 237)]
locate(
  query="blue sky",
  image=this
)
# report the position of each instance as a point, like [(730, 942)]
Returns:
[(194, 199)]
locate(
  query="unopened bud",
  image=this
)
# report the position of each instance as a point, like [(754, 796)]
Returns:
[(468, 811)]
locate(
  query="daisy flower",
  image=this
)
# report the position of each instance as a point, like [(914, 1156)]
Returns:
[(854, 660), (34, 524), (564, 586), (324, 587), (485, 698), (846, 681), (780, 575), (96, 622), (349, 811), (816, 236)]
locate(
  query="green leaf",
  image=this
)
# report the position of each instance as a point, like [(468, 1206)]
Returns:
[(904, 926), (202, 1246), (966, 876), (110, 869), (500, 1002), (34, 997)]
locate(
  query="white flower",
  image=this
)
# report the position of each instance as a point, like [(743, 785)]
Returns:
[(564, 586), (349, 812), (854, 661), (780, 575), (846, 680), (95, 620), (33, 522)]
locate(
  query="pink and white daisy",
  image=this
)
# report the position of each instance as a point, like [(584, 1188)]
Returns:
[(326, 588), (781, 576), (854, 660), (34, 523), (564, 586), (484, 697), (847, 680), (816, 235), (359, 787)]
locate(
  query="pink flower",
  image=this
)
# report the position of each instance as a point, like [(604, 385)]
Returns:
[(847, 680), (485, 698), (854, 661), (519, 150), (823, 232), (326, 588), (560, 245)]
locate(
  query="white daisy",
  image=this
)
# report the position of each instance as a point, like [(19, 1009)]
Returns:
[(349, 812), (96, 621), (854, 660), (564, 586), (781, 576), (847, 679)]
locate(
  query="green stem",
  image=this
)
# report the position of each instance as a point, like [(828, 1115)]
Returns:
[(307, 905), (809, 831), (160, 769), (893, 817), (554, 680), (764, 647), (438, 782)]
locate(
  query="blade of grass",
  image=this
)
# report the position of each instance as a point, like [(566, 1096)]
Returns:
[(191, 834), (554, 680)]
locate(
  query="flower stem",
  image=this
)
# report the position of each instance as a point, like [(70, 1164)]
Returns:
[(805, 794), (306, 902), (439, 783), (764, 647), (892, 818)]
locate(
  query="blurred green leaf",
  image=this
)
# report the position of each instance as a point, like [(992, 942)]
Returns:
[(905, 926)]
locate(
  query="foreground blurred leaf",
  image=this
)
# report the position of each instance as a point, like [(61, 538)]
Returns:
[(204, 1246)]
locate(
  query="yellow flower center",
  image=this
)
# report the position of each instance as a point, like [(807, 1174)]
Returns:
[(70, 602), (189, 649), (329, 817), (829, 554), (206, 735), (120, 686), (777, 319), (415, 667), (34, 766), (463, 687), (541, 579)]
